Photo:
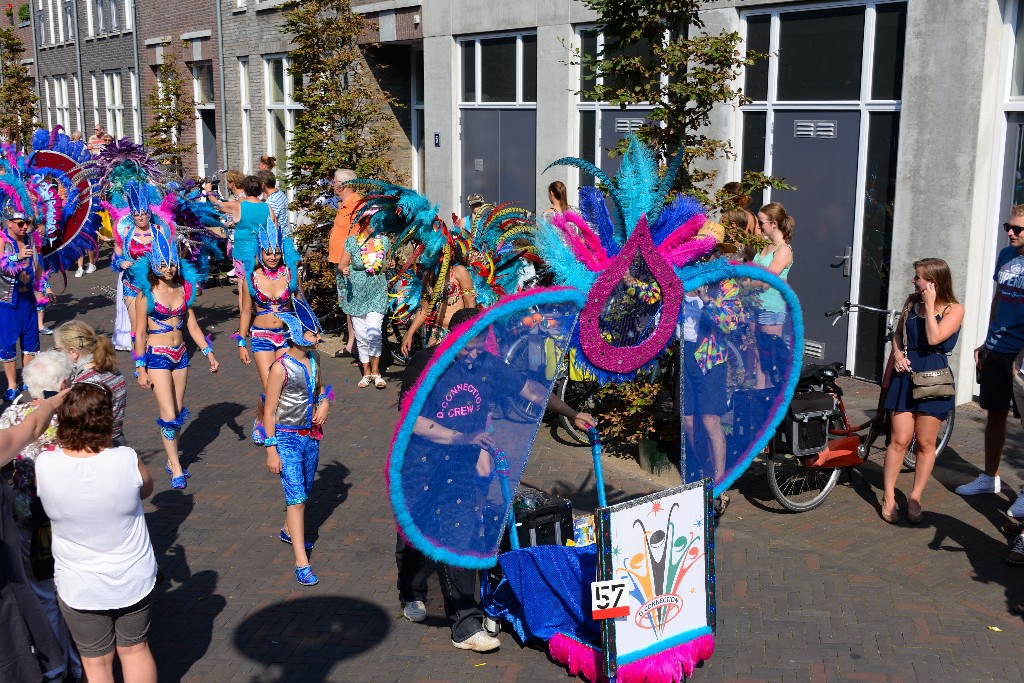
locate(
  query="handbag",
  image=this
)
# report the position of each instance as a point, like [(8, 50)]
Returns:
[(929, 383), (40, 555)]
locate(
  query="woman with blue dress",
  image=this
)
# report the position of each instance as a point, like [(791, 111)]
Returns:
[(925, 336)]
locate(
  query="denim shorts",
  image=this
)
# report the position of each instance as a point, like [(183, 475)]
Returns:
[(771, 318)]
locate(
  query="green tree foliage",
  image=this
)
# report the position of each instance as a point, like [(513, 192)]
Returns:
[(346, 121), (173, 109), (656, 54), (16, 92), (24, 12)]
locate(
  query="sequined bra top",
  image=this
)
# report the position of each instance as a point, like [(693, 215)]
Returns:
[(161, 313), (451, 295), (137, 249), (295, 405), (269, 304)]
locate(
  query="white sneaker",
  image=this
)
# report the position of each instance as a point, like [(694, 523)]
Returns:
[(91, 268), (983, 484), (1017, 509), (415, 610), (79, 273), (479, 642)]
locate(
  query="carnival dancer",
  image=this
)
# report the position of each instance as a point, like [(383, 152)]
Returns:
[(20, 276), (168, 286), (297, 407), (271, 283)]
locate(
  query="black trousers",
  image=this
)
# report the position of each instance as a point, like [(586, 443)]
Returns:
[(459, 587)]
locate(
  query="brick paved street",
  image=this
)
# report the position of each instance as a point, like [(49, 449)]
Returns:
[(829, 595)]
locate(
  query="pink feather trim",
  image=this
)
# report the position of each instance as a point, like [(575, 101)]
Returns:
[(578, 657), (674, 665), (586, 246), (686, 252)]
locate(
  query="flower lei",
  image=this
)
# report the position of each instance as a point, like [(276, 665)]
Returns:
[(371, 251)]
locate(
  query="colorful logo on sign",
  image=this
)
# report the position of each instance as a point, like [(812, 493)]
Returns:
[(656, 574)]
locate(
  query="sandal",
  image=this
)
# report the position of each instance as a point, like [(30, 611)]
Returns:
[(340, 353), (379, 382), (365, 381), (721, 503)]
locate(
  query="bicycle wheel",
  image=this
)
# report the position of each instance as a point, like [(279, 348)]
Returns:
[(393, 335), (579, 396), (941, 440), (799, 488)]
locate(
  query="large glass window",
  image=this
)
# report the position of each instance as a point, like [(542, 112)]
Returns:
[(500, 69), (69, 21), (61, 101), (203, 91), (876, 247), (820, 54), (114, 103), (246, 101), (98, 13), (890, 32), (755, 133), (755, 83), (1017, 86), (281, 106)]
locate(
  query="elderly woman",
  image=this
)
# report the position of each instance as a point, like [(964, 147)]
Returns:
[(95, 360), (366, 296), (105, 570), (46, 375)]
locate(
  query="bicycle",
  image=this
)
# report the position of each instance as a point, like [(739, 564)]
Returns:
[(801, 482)]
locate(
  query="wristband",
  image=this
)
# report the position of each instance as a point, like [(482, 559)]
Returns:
[(241, 342), (208, 350), (270, 441), (140, 362)]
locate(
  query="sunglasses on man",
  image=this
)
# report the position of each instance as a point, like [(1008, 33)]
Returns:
[(20, 224), (1016, 229)]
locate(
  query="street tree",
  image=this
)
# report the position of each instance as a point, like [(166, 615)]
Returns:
[(656, 54), (173, 110), (19, 98), (345, 120)]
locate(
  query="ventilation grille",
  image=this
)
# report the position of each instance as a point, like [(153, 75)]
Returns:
[(814, 349), (628, 125), (815, 129)]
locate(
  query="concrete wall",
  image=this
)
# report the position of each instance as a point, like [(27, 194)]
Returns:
[(947, 154)]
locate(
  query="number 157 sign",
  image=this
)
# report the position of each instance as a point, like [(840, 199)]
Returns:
[(609, 599)]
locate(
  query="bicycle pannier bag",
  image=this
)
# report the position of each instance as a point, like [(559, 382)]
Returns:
[(804, 430), (932, 384)]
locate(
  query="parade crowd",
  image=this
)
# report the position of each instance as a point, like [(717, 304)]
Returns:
[(71, 606)]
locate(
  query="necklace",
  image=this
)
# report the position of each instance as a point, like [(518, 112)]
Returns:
[(371, 252), (274, 274)]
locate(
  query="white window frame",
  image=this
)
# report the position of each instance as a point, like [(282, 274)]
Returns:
[(113, 18), (68, 14), (245, 98), (95, 100), (89, 23), (519, 103), (55, 23), (101, 26), (78, 102), (200, 105), (417, 107), (46, 95), (289, 107), (136, 111), (61, 101), (113, 99)]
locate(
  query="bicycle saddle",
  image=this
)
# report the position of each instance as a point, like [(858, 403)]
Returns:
[(820, 373)]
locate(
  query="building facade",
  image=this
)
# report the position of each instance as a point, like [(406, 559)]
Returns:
[(899, 147)]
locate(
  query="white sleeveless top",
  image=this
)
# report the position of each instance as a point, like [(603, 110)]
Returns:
[(101, 549)]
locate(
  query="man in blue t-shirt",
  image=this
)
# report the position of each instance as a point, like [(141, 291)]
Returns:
[(995, 357)]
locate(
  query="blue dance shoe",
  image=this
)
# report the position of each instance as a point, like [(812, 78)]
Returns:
[(305, 576), (286, 538), (184, 472)]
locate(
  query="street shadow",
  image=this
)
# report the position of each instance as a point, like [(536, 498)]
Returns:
[(205, 426), (329, 491), (191, 608), (172, 508), (986, 554), (68, 308), (303, 639)]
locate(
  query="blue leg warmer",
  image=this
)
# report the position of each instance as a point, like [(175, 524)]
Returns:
[(170, 428)]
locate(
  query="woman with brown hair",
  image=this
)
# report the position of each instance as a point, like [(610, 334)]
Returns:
[(558, 196), (925, 336), (267, 163), (104, 567), (777, 258)]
